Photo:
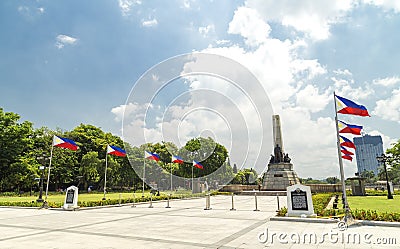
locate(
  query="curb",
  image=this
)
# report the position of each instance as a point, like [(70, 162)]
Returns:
[(298, 219)]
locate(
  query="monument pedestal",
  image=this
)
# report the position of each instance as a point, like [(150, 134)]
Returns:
[(279, 176)]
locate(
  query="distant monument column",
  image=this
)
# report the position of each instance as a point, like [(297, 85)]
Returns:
[(277, 133), (280, 173)]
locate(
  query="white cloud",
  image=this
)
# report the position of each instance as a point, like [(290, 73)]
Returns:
[(62, 40), (314, 18), (388, 81), (385, 4), (389, 108), (247, 23), (311, 99), (204, 31), (347, 89), (126, 6), (150, 23), (342, 72)]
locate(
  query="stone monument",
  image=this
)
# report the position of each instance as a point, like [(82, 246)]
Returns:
[(71, 198), (280, 173), (299, 201)]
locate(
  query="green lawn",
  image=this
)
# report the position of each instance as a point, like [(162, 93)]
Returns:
[(84, 196), (378, 203)]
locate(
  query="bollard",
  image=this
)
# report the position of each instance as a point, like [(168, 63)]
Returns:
[(277, 200), (208, 202), (255, 198), (168, 201), (133, 203), (233, 206), (119, 202), (151, 200)]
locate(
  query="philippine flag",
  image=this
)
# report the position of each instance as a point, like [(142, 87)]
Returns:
[(347, 157), (64, 143), (346, 106), (197, 165), (116, 151), (346, 142), (345, 151), (177, 159), (348, 128), (151, 156)]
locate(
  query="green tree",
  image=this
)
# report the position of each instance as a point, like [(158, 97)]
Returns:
[(88, 170), (15, 143), (332, 180)]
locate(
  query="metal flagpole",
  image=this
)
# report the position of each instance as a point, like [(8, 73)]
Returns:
[(105, 176), (48, 173), (144, 174), (346, 205), (192, 179), (171, 177)]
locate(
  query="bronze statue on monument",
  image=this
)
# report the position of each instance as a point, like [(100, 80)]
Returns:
[(280, 173)]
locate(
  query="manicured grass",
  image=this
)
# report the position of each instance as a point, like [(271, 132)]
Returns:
[(59, 198), (378, 203)]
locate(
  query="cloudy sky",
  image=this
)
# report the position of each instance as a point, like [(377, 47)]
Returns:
[(64, 63)]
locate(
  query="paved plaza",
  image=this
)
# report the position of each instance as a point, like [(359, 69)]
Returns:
[(185, 225)]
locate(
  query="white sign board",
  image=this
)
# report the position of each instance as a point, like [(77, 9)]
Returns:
[(299, 201), (71, 198)]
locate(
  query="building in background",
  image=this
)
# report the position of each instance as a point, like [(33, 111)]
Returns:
[(367, 149)]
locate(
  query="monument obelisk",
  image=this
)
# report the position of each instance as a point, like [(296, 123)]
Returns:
[(280, 173)]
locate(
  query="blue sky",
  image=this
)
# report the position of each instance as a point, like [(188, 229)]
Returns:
[(64, 63)]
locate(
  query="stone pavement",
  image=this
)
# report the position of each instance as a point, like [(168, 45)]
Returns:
[(185, 225)]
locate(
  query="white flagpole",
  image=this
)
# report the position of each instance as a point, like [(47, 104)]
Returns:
[(346, 205), (144, 174), (105, 175), (48, 173), (171, 176), (192, 179)]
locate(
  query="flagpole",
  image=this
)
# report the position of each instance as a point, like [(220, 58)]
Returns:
[(171, 177), (105, 176), (144, 174), (346, 205), (48, 173), (192, 180)]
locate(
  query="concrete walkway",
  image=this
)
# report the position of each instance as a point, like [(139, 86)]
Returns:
[(185, 225)]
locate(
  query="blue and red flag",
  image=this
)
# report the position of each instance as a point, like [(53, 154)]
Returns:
[(197, 165), (346, 106), (176, 159), (151, 156), (64, 143), (345, 151), (349, 128), (346, 142), (116, 151), (347, 157)]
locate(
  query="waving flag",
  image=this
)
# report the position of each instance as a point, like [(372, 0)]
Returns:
[(197, 165), (347, 157), (64, 143), (346, 106), (345, 151), (348, 128), (177, 159), (116, 151), (151, 156), (346, 142)]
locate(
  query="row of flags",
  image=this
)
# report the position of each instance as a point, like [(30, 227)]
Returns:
[(346, 106), (116, 151), (66, 143), (174, 159)]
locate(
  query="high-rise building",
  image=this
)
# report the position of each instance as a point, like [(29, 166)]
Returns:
[(367, 149)]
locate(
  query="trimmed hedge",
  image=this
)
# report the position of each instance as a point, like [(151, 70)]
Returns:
[(110, 201)]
